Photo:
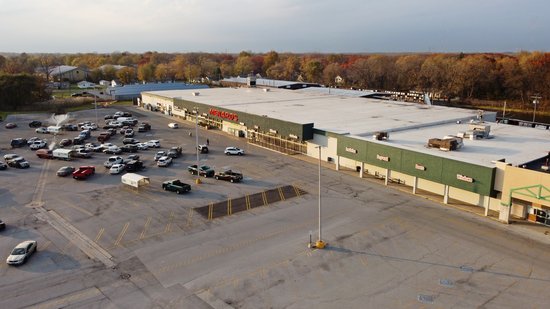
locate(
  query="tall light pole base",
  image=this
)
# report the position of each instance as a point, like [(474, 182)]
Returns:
[(319, 244)]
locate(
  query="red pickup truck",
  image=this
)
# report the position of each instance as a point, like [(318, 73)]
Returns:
[(83, 172)]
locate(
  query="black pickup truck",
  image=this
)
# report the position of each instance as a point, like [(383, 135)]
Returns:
[(229, 175), (176, 186)]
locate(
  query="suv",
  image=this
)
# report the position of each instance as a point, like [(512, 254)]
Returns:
[(18, 142), (134, 165), (129, 148), (112, 161), (229, 175), (175, 152)]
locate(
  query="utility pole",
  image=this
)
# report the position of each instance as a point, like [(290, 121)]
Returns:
[(536, 100), (198, 180)]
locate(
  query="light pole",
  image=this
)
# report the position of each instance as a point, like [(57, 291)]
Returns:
[(95, 104), (198, 180), (319, 244), (536, 99)]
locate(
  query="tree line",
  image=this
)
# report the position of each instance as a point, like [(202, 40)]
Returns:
[(483, 76)]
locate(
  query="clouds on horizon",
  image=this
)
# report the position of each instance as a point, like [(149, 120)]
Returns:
[(283, 25)]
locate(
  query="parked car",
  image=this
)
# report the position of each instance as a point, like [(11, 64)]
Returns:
[(84, 172), (21, 253), (153, 143), (202, 148), (2, 225), (173, 125), (35, 124), (81, 153), (65, 171), (204, 170), (32, 139), (69, 127), (79, 140), (160, 154), (65, 142), (175, 152), (10, 156), (113, 150), (106, 117), (233, 151), (19, 162), (89, 126), (164, 161), (129, 148), (130, 140), (117, 169), (229, 175), (129, 133), (144, 127), (38, 145), (134, 165), (3, 166), (142, 146), (132, 157), (103, 137), (176, 186), (112, 161), (18, 142), (42, 130), (10, 125)]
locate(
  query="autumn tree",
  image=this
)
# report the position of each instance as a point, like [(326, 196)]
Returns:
[(270, 59), (126, 75), (313, 70), (146, 72), (330, 72)]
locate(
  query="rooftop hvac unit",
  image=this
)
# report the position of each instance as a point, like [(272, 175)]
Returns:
[(195, 94), (448, 143), (266, 89), (380, 136)]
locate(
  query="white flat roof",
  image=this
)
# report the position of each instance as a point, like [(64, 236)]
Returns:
[(517, 145), (410, 125), (329, 112)]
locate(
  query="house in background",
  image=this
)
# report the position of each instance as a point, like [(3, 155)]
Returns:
[(104, 83), (68, 73), (85, 84)]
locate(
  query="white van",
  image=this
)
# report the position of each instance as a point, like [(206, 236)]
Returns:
[(54, 129)]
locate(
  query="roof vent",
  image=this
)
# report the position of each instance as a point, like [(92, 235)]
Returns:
[(266, 89), (196, 94)]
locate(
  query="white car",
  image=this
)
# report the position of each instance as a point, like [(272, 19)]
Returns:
[(10, 156), (164, 161), (153, 143), (38, 145), (41, 130), (91, 127), (233, 151), (142, 146), (21, 252), (173, 125), (112, 161), (115, 123), (32, 139), (117, 169), (112, 150)]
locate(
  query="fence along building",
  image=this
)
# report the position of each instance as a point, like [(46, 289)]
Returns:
[(299, 121)]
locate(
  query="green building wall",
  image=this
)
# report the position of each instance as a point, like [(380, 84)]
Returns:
[(425, 166)]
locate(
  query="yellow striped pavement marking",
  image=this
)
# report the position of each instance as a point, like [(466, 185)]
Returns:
[(121, 235)]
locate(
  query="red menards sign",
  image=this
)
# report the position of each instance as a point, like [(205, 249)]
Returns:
[(225, 115)]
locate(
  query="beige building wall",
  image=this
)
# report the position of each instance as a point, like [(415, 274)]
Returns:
[(431, 186), (516, 177), (467, 197)]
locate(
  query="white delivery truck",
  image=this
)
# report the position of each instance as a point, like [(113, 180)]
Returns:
[(54, 130), (62, 154)]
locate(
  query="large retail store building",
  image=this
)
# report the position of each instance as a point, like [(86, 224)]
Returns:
[(499, 167)]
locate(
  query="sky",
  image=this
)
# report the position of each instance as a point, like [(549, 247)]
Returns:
[(299, 26)]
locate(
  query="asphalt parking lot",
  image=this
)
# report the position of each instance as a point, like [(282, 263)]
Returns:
[(104, 244)]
